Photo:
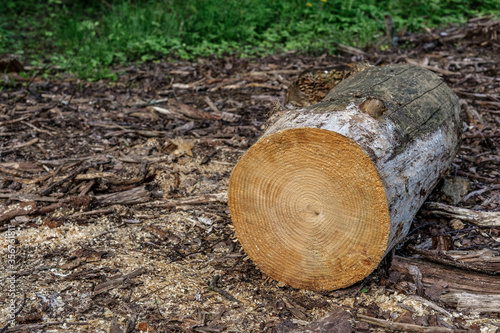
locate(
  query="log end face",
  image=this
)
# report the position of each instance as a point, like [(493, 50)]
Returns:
[(309, 208)]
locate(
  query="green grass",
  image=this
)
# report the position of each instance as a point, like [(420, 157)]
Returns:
[(87, 37)]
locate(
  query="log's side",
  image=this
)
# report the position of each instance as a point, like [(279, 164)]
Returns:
[(329, 189), (412, 142)]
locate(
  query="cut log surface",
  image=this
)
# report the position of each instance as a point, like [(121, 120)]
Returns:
[(330, 188)]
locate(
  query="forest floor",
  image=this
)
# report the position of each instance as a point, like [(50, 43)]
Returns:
[(114, 194)]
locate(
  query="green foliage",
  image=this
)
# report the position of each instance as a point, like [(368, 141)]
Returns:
[(86, 37)]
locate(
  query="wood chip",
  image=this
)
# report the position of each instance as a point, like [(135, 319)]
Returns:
[(17, 209), (136, 195)]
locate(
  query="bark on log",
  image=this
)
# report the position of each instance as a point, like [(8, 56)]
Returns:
[(455, 279), (330, 188), (484, 261), (465, 290), (482, 219)]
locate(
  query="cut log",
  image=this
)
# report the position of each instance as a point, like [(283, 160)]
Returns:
[(330, 188)]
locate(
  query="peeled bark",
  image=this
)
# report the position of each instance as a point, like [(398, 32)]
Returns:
[(329, 189), (473, 302)]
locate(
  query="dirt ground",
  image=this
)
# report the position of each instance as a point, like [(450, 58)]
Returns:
[(114, 195)]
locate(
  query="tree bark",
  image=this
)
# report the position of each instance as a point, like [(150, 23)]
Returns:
[(473, 302), (464, 290), (482, 219), (330, 188)]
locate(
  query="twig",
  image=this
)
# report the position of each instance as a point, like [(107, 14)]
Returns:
[(151, 102), (169, 113), (211, 104), (212, 285), (26, 197), (474, 176), (158, 308), (94, 175), (2, 123), (245, 86), (17, 209), (111, 284), (432, 68), (99, 159), (93, 212), (361, 286), (135, 195), (13, 172), (72, 175), (15, 315), (481, 136), (464, 301), (86, 188), (405, 327), (147, 294), (350, 50), (29, 181), (20, 145), (112, 179), (273, 72), (183, 256), (482, 219), (430, 304), (195, 200), (441, 258), (456, 279), (37, 129), (481, 191), (476, 95), (32, 327)]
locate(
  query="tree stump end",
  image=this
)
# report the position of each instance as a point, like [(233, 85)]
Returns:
[(310, 209)]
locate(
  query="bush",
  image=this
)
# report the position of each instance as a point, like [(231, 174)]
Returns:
[(86, 37)]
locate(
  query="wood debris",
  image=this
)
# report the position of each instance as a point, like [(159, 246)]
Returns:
[(86, 183)]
